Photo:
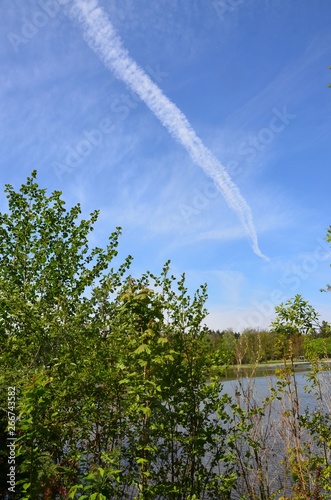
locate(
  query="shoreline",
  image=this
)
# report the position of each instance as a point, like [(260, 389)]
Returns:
[(265, 369)]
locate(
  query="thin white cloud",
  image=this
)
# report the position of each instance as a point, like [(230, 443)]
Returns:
[(102, 38)]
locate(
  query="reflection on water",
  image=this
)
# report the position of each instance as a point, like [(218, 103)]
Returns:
[(232, 373), (274, 428), (264, 379)]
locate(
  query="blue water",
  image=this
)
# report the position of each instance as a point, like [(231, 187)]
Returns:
[(275, 426), (260, 387)]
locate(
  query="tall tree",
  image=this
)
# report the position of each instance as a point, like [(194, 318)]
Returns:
[(110, 371), (294, 318)]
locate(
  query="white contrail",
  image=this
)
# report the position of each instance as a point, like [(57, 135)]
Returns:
[(102, 38)]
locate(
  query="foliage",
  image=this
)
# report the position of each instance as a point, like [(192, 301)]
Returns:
[(224, 346), (293, 319), (113, 374), (254, 346), (118, 393), (317, 348)]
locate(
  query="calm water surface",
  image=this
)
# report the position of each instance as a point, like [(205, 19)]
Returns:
[(256, 389)]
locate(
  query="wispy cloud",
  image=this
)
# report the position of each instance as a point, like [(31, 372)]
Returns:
[(101, 37)]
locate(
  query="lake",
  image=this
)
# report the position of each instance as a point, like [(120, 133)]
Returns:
[(275, 430), (264, 378)]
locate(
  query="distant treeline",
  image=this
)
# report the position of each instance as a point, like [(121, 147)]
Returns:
[(254, 345)]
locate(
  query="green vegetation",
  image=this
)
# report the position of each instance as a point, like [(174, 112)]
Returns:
[(115, 382), (283, 339)]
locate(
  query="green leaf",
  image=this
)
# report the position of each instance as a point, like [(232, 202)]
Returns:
[(142, 348), (162, 340)]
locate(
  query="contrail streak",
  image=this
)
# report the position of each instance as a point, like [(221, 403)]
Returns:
[(102, 38)]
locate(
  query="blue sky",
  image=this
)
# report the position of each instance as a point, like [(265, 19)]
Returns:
[(251, 78)]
